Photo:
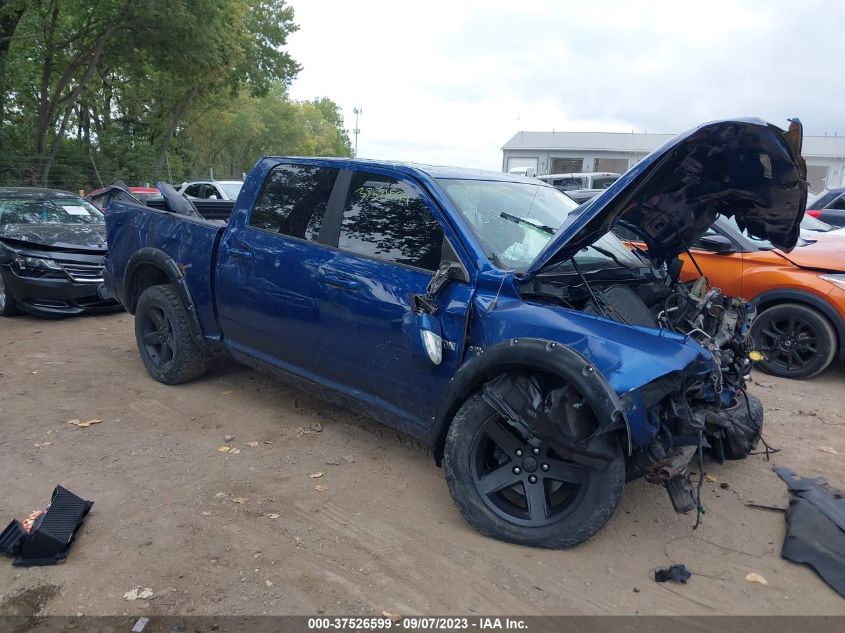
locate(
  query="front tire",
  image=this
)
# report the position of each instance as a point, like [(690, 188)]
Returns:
[(8, 307), (168, 349), (796, 341), (511, 491)]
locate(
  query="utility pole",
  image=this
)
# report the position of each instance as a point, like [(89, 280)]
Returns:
[(356, 130)]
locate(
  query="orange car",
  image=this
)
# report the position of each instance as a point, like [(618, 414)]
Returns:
[(800, 325)]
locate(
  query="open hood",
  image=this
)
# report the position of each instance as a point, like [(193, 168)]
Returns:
[(64, 237), (745, 168)]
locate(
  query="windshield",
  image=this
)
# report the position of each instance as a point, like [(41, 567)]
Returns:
[(513, 221), (809, 223), (232, 189), (48, 211)]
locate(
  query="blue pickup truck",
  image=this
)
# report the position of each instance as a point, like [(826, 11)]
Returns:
[(542, 359)]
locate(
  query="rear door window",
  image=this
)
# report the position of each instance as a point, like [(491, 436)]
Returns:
[(385, 218), (293, 201)]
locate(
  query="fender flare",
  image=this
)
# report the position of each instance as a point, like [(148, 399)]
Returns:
[(814, 301), (529, 354), (165, 263)]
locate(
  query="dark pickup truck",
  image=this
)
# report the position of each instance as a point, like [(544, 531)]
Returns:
[(542, 360)]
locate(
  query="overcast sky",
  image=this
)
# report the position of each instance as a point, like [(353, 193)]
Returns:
[(449, 82)]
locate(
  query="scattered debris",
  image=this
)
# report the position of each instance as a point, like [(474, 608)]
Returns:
[(43, 444), (348, 458), (221, 495), (811, 414), (45, 537), (273, 516), (321, 487), (765, 385), (224, 449), (228, 392), (234, 451), (317, 427), (815, 532), (267, 442), (240, 500), (252, 444), (753, 577), (140, 625), (268, 583), (85, 424), (228, 438), (393, 617), (675, 573), (724, 485), (760, 506), (137, 592), (316, 475), (711, 478), (828, 449), (206, 513)]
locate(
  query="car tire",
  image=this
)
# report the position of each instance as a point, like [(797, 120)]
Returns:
[(583, 508), (796, 341), (8, 306), (168, 349)]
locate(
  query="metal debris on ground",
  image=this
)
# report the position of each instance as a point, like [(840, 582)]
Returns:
[(674, 573), (252, 444), (140, 624), (321, 487), (316, 475)]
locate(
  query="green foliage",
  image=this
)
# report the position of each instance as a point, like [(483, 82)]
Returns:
[(149, 90)]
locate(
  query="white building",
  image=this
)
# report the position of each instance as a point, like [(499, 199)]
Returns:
[(567, 152)]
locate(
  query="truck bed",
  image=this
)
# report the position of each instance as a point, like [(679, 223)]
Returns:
[(136, 233)]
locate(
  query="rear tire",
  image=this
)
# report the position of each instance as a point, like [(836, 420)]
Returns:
[(8, 306), (538, 499), (169, 351), (796, 341)]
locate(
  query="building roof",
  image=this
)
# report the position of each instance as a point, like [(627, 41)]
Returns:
[(639, 142)]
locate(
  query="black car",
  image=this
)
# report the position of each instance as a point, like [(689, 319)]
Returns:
[(52, 252), (829, 207)]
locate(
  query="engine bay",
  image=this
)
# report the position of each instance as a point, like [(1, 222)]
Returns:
[(687, 414)]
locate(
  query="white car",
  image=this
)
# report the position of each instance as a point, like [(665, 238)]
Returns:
[(582, 186), (212, 189)]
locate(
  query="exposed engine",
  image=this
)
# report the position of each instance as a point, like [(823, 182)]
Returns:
[(710, 411)]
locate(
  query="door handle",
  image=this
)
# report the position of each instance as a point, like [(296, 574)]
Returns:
[(237, 253), (338, 281)]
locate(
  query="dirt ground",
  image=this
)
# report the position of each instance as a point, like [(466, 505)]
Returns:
[(248, 533)]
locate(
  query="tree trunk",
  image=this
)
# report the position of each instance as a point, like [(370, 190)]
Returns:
[(178, 115)]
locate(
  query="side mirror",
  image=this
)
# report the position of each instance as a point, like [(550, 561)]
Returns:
[(716, 244)]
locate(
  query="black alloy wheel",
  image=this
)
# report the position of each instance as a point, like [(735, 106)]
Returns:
[(523, 484), (796, 341), (513, 491), (157, 337), (168, 348)]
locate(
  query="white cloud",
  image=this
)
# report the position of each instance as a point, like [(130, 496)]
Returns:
[(450, 82)]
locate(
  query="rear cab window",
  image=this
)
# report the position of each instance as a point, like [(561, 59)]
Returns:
[(293, 200), (385, 218)]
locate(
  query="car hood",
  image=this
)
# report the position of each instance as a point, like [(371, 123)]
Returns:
[(824, 251), (744, 168), (66, 237)]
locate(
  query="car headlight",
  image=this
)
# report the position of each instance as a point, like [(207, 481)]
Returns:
[(837, 280), (36, 263)]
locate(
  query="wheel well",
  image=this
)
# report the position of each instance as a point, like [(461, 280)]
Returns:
[(144, 276), (771, 303), (476, 384)]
